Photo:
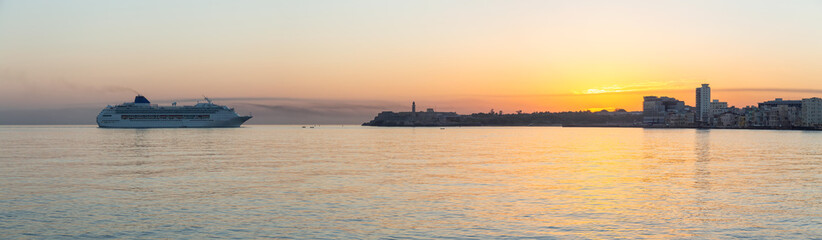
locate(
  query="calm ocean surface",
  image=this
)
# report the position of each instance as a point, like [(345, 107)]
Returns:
[(366, 182)]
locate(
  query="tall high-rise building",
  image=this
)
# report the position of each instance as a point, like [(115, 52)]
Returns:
[(703, 103)]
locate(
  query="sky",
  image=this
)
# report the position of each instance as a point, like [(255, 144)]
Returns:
[(344, 61)]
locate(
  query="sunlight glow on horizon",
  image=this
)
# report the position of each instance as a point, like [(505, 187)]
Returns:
[(463, 56)]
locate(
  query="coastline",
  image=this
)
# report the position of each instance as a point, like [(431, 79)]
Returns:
[(600, 126)]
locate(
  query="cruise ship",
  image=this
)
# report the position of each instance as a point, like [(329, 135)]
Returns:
[(142, 114)]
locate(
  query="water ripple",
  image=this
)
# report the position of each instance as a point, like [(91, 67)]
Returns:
[(286, 182)]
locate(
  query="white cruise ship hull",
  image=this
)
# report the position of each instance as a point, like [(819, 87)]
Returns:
[(182, 123), (142, 114)]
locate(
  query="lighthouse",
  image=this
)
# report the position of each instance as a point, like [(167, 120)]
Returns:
[(413, 107)]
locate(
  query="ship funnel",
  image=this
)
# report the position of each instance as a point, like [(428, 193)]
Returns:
[(141, 99)]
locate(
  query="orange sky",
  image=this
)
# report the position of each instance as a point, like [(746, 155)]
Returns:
[(460, 56)]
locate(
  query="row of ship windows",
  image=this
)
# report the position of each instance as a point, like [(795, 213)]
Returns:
[(160, 111), (165, 116)]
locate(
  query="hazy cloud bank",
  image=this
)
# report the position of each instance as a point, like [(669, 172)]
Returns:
[(264, 110)]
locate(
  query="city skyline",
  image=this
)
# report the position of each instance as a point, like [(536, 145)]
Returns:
[(709, 112), (331, 61)]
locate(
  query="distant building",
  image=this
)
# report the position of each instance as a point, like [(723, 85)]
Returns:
[(683, 118), (718, 107), (655, 109), (812, 112), (728, 120), (780, 113), (414, 118), (703, 99), (751, 117)]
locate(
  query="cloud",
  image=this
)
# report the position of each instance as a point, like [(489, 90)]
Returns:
[(640, 87), (324, 107), (285, 108), (230, 99), (784, 90), (22, 78), (119, 89), (313, 111), (279, 111)]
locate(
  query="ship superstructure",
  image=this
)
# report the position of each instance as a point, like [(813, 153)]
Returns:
[(142, 114)]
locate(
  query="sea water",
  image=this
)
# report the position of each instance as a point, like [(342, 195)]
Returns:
[(352, 182)]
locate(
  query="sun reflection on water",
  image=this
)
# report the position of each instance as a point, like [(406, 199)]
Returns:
[(354, 182)]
